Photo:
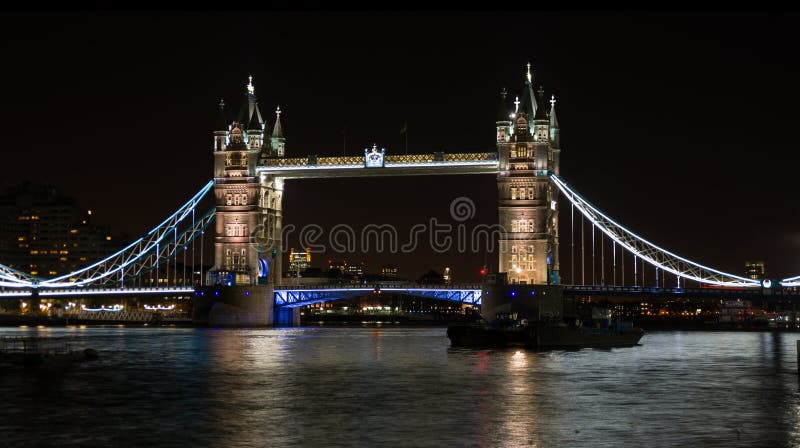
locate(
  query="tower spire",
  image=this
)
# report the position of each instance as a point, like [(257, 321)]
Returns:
[(528, 104), (540, 113), (250, 87), (222, 122), (554, 131), (277, 140), (502, 110), (553, 118), (277, 131)]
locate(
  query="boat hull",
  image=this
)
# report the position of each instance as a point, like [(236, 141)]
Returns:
[(540, 337)]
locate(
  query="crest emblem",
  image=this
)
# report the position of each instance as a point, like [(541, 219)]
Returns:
[(374, 159)]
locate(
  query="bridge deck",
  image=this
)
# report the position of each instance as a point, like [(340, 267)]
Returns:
[(394, 165)]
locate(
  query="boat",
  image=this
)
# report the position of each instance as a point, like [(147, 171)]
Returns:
[(509, 331)]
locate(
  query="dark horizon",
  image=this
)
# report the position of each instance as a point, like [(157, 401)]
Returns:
[(678, 126)]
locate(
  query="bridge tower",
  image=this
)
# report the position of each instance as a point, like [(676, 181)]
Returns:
[(238, 290), (528, 151), (236, 191)]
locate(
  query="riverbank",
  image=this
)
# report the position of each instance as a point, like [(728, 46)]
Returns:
[(48, 321)]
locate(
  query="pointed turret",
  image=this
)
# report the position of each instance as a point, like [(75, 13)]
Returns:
[(254, 124), (250, 105), (221, 128), (554, 131), (502, 109), (503, 123), (254, 132), (221, 124), (278, 141), (277, 131), (528, 104), (541, 113)]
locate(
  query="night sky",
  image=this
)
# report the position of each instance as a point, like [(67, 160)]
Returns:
[(681, 127)]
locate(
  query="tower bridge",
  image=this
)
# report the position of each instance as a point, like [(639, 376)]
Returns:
[(245, 285)]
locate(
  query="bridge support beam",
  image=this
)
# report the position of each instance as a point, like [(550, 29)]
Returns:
[(233, 306)]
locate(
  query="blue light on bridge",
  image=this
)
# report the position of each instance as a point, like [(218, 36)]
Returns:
[(247, 293), (513, 293), (216, 293), (533, 292)]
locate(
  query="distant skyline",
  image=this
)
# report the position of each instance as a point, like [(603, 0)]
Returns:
[(681, 127)]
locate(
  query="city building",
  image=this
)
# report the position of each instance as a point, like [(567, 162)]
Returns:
[(389, 271), (754, 270), (448, 276), (45, 233), (299, 261), (345, 267)]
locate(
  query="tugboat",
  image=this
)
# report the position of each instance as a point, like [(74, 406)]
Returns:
[(545, 335), (539, 317)]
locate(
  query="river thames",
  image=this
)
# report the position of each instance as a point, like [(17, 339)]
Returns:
[(391, 387)]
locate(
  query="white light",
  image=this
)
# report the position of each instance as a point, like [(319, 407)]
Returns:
[(159, 307), (580, 203)]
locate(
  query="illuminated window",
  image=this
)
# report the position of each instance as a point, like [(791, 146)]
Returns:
[(74, 231), (513, 192), (530, 193), (108, 238)]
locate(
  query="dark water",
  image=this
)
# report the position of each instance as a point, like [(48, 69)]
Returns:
[(403, 387)]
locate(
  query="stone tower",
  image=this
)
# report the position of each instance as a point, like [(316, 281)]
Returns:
[(236, 189), (528, 151), (239, 288)]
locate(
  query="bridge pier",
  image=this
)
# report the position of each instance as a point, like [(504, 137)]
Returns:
[(286, 317), (233, 306)]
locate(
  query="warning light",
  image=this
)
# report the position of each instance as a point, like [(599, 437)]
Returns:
[(483, 271)]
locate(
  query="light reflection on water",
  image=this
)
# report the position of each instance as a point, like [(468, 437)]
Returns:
[(393, 386)]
